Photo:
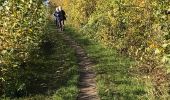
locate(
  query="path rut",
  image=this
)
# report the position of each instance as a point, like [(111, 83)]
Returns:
[(87, 83)]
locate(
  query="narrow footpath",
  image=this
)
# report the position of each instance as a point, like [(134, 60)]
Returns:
[(87, 83)]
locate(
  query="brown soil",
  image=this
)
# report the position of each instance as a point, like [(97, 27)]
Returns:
[(87, 83)]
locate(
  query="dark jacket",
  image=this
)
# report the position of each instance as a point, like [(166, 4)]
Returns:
[(62, 15)]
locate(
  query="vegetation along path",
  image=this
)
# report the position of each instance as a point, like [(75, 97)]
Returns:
[(87, 83)]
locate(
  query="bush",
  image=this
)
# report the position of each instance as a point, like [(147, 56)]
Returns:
[(21, 25), (138, 29)]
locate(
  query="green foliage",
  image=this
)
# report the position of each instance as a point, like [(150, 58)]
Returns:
[(21, 26), (137, 28), (50, 74), (33, 59), (115, 77)]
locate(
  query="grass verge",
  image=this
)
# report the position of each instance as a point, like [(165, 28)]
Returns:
[(51, 73), (115, 78)]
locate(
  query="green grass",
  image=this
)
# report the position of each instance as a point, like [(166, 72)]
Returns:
[(115, 79), (52, 72)]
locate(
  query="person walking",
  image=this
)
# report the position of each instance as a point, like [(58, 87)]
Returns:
[(62, 17), (57, 18)]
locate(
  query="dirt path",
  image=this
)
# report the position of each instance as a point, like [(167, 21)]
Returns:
[(87, 84)]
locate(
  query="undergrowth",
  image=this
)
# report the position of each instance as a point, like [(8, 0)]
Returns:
[(52, 73), (116, 78)]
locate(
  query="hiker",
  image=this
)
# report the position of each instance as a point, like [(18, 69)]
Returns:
[(56, 14), (62, 17)]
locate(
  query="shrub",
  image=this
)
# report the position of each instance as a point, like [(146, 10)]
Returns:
[(21, 26)]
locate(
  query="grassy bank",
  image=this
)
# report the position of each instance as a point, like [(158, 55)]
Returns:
[(115, 78), (52, 73)]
